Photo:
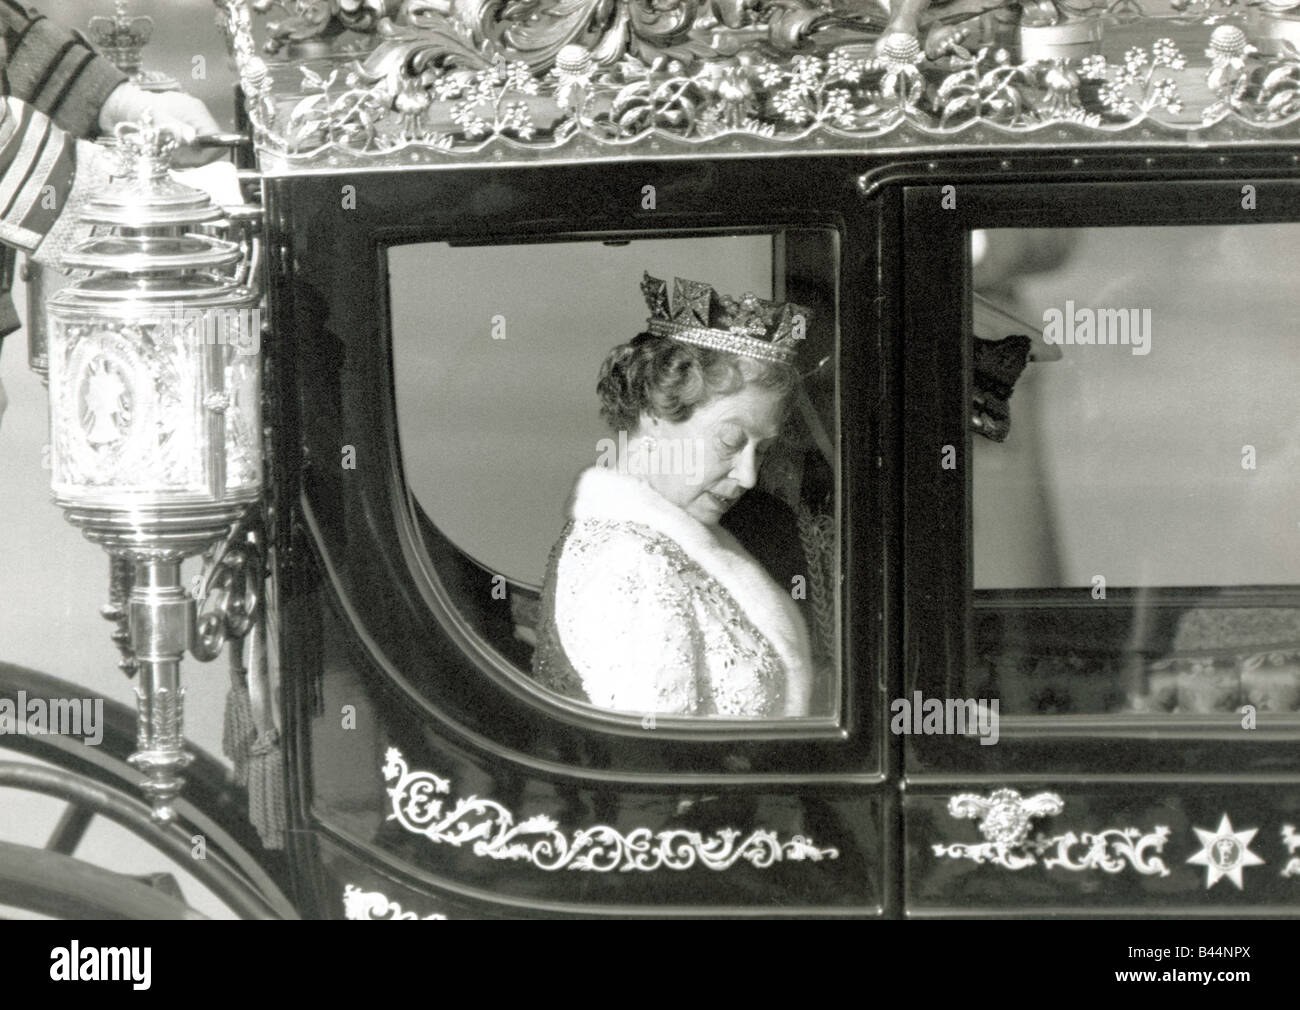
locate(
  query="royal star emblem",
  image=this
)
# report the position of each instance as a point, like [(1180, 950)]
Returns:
[(1224, 852)]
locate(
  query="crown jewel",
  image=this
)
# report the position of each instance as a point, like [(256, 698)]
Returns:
[(749, 326)]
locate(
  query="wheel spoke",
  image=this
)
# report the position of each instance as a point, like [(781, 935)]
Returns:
[(70, 830), (216, 874), (50, 883)]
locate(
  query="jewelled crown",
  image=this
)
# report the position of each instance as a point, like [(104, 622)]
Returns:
[(750, 326)]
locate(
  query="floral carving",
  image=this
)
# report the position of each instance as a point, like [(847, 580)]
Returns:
[(489, 829), (989, 87), (986, 852), (537, 31), (486, 95), (1005, 816), (372, 905), (351, 116), (1006, 819), (1134, 87), (448, 78), (812, 90), (1110, 850), (659, 96)]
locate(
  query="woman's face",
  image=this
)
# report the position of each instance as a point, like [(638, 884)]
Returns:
[(705, 463)]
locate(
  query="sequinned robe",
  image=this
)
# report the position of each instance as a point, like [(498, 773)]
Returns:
[(646, 609)]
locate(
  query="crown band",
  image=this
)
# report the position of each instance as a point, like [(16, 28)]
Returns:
[(748, 326), (721, 340)]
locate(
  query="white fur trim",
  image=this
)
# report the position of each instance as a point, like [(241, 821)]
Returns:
[(603, 493)]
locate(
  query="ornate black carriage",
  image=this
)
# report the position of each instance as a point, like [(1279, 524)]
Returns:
[(1047, 543)]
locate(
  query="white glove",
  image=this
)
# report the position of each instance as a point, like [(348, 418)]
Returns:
[(183, 114)]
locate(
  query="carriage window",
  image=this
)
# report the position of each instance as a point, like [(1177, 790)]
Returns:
[(622, 456), (1136, 463)]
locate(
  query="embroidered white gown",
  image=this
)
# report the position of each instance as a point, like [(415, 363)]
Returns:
[(646, 609)]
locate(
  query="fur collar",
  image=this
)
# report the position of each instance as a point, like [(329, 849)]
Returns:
[(605, 494)]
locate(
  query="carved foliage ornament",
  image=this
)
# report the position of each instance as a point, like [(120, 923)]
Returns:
[(455, 76), (372, 905), (1006, 819), (535, 31), (491, 831)]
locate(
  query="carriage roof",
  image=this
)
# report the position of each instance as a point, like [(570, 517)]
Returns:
[(398, 83)]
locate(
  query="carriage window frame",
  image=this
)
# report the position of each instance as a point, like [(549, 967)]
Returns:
[(835, 726), (937, 388)]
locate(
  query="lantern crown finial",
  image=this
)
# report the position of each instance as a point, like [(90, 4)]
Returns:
[(144, 147), (122, 36)]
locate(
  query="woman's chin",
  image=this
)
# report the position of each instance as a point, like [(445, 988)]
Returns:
[(707, 511)]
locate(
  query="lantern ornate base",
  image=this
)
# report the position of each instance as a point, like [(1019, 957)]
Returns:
[(162, 783), (161, 620), (164, 532), (121, 573)]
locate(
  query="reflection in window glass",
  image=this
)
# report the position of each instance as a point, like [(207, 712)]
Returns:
[(623, 456), (1146, 470)]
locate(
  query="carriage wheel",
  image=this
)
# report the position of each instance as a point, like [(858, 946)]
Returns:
[(98, 782), (50, 883), (89, 799)]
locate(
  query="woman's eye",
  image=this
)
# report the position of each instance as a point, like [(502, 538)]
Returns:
[(733, 441)]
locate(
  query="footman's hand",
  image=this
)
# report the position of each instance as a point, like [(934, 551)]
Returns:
[(186, 116)]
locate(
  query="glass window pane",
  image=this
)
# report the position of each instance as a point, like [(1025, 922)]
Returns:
[(667, 544), (1148, 474)]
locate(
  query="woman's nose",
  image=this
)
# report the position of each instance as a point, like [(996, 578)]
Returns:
[(745, 470)]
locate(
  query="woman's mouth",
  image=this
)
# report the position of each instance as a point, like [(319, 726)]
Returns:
[(722, 503)]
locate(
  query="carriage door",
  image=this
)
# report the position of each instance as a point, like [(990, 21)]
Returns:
[(1098, 712)]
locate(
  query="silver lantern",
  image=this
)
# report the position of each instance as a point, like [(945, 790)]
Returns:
[(122, 39), (154, 385)]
